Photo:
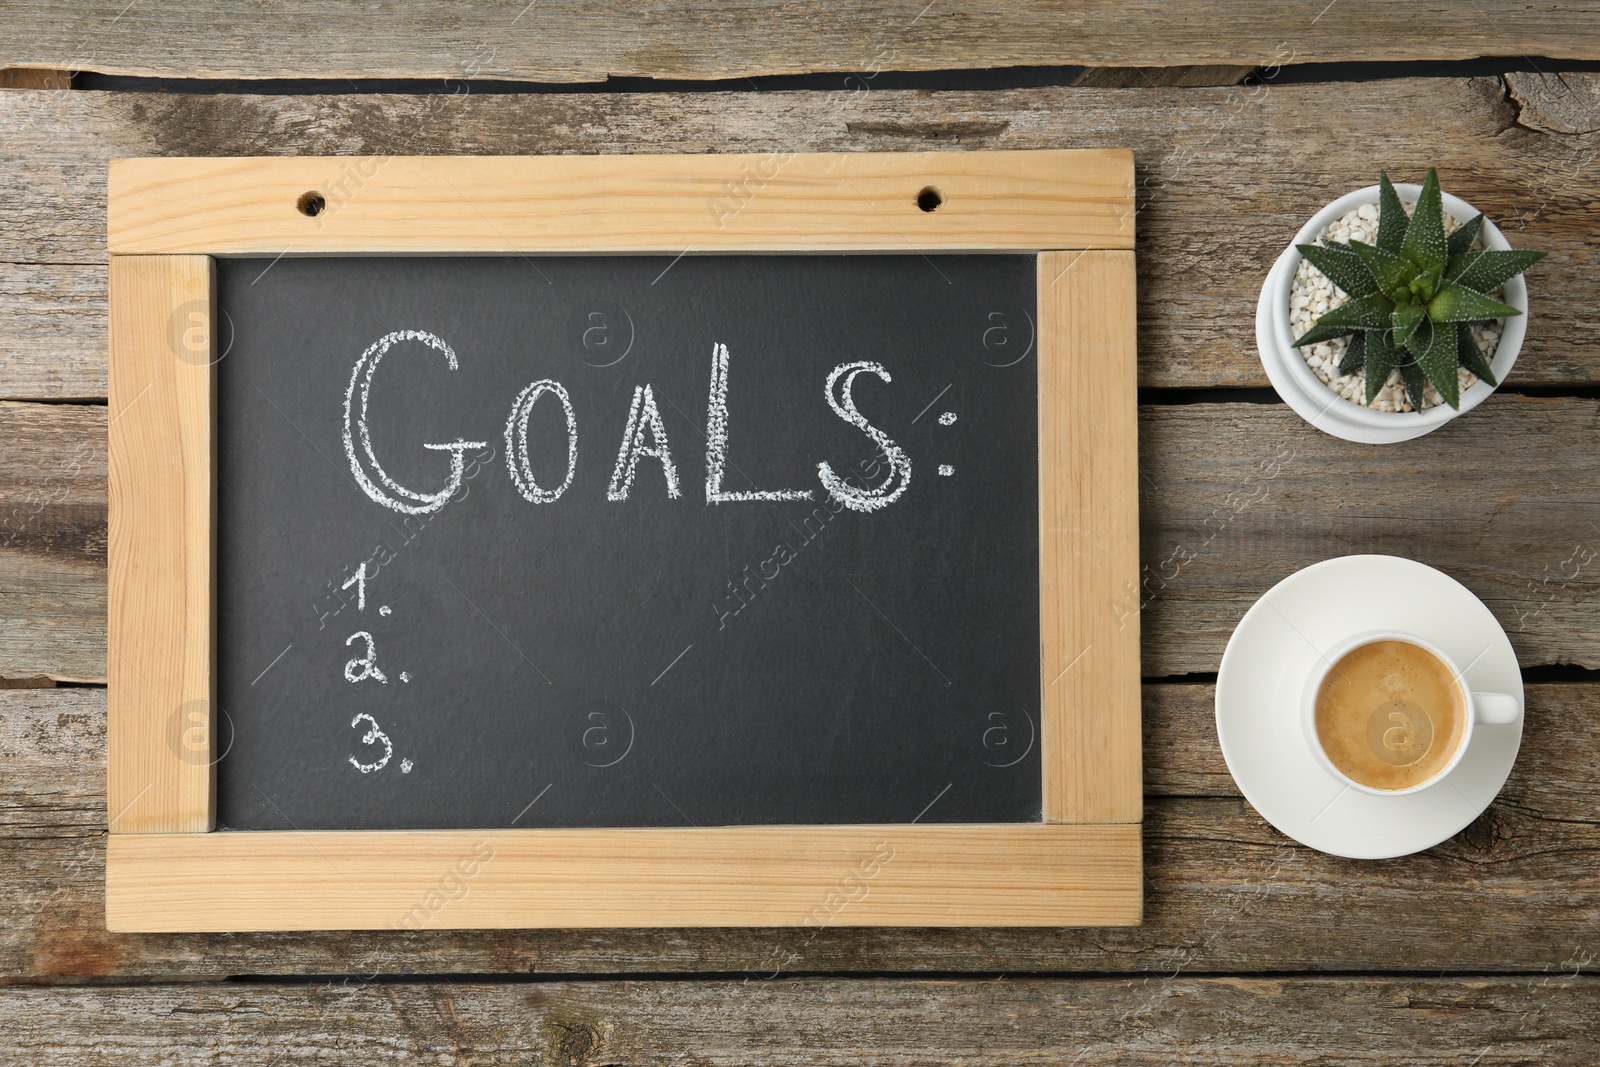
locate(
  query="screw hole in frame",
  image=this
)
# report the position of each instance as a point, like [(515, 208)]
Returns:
[(930, 199), (311, 204)]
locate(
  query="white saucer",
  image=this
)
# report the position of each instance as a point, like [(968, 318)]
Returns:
[(1263, 673)]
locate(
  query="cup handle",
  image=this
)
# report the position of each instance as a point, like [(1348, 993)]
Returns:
[(1496, 709)]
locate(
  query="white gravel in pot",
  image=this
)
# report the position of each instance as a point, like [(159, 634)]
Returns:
[(1311, 295)]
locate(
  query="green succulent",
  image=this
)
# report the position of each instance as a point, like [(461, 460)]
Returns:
[(1414, 296)]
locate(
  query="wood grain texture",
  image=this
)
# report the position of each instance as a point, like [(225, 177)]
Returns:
[(1556, 103), (1233, 498), (34, 78), (1546, 1019), (1227, 174), (722, 202), (794, 876), (1088, 537), (564, 40), (1224, 892), (53, 541), (162, 633), (1217, 198)]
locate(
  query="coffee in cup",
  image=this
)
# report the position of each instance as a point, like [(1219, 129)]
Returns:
[(1389, 713)]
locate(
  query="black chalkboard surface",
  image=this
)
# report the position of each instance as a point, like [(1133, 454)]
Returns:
[(789, 576)]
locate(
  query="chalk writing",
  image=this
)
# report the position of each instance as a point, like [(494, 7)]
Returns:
[(844, 405), (517, 442), (363, 667), (717, 441), (359, 580), (372, 736), (642, 416), (399, 498)]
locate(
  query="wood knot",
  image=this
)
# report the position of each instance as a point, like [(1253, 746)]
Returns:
[(572, 1042), (1485, 834), (1567, 103)]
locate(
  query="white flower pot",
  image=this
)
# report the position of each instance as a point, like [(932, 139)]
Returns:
[(1310, 397)]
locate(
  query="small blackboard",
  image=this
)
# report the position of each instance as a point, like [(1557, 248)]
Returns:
[(623, 541), (627, 541)]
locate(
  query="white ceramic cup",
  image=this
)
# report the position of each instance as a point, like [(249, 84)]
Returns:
[(1497, 709)]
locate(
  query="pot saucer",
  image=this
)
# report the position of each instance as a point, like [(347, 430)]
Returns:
[(1263, 672)]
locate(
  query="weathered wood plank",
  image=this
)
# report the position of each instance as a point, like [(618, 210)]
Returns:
[(53, 541), (565, 40), (1233, 497), (1422, 1021), (1558, 767), (1225, 177), (1225, 891)]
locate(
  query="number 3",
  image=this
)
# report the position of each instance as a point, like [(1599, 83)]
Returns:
[(372, 736)]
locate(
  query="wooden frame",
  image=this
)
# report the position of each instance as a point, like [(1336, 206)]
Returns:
[(166, 870)]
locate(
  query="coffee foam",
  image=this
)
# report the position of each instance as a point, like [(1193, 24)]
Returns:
[(1390, 715)]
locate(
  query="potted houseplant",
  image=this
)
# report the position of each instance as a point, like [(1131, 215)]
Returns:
[(1377, 325)]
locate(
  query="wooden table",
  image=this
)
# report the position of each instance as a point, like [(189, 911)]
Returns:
[(1254, 948)]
